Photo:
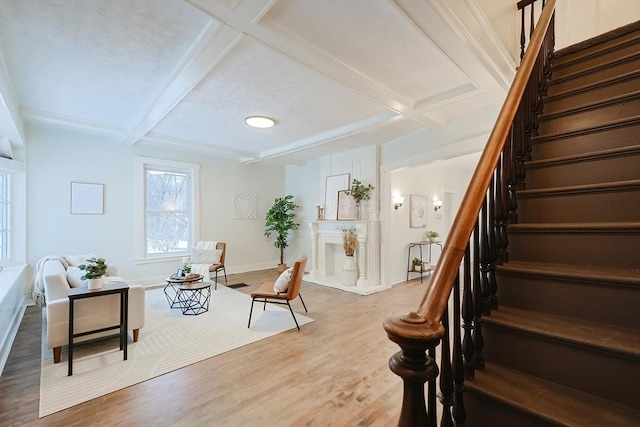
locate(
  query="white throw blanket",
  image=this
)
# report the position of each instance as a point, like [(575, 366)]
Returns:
[(37, 288)]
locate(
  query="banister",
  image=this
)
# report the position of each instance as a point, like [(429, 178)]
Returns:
[(435, 300), (490, 198)]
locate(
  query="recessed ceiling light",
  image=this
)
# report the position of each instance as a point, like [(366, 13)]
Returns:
[(259, 122)]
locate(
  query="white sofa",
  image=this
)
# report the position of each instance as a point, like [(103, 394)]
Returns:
[(90, 314)]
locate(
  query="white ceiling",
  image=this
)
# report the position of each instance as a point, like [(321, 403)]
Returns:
[(334, 74)]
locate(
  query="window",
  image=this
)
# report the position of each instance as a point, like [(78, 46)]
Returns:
[(169, 207), (4, 216)]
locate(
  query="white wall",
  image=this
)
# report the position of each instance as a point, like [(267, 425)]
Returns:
[(58, 157), (576, 20)]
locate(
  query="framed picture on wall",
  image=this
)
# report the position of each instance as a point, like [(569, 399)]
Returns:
[(346, 207), (335, 183), (87, 198), (418, 213)]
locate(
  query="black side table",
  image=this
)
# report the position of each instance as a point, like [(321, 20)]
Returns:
[(81, 293)]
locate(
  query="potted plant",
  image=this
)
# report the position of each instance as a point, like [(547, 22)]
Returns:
[(94, 269), (417, 264), (431, 236), (280, 220), (359, 192)]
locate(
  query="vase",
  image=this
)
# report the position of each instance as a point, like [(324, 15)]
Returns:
[(349, 271), (94, 283), (358, 212)]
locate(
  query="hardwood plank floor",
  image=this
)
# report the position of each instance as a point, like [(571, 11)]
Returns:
[(331, 373)]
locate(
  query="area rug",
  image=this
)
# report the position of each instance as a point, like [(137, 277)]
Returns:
[(168, 341)]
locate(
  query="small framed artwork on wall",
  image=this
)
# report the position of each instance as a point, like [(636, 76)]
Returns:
[(418, 214), (87, 198), (346, 207)]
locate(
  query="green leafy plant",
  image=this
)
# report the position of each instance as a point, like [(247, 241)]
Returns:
[(431, 235), (416, 262), (360, 192), (186, 268), (94, 268), (281, 220)]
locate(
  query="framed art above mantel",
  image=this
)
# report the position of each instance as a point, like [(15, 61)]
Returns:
[(335, 183)]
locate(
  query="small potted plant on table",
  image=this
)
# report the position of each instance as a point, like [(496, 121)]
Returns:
[(432, 236), (417, 264), (95, 269)]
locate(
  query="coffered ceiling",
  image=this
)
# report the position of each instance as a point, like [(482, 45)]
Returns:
[(333, 74)]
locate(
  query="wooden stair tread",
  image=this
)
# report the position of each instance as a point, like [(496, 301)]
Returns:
[(614, 124), (556, 404), (591, 105), (594, 68), (632, 75), (628, 276), (609, 338), (593, 155), (581, 188), (624, 227)]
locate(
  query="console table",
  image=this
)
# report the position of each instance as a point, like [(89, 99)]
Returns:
[(109, 289), (419, 245)]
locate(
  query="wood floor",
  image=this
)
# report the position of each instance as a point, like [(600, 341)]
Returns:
[(331, 373)]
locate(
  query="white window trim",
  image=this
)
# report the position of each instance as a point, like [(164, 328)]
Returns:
[(140, 209), (17, 235)]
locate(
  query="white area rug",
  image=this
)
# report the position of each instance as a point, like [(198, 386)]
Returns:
[(169, 341)]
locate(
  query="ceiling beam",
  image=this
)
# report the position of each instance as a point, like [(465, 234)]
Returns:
[(11, 125)]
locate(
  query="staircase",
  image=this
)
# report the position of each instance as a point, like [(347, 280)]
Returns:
[(564, 346)]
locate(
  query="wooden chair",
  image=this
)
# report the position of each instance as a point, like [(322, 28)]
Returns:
[(220, 265), (266, 293)]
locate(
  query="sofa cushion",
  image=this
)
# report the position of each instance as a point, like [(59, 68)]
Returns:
[(74, 277), (282, 283), (202, 256)]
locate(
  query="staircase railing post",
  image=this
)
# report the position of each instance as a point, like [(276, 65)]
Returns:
[(415, 335)]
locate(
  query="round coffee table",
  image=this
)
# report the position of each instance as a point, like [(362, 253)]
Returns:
[(192, 295)]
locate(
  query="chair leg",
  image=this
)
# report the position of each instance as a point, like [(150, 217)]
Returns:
[(265, 305), (294, 316), (251, 312), (305, 307), (215, 287), (225, 273)]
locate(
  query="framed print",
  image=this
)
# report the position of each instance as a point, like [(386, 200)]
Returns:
[(87, 198), (418, 212), (346, 207), (335, 183)]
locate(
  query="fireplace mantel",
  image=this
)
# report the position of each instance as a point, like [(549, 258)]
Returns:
[(327, 255)]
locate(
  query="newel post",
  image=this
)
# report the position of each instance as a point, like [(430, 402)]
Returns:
[(415, 335)]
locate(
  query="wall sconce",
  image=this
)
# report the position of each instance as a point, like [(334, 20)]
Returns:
[(437, 204), (398, 200)]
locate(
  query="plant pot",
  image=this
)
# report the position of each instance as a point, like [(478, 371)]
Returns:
[(349, 271), (282, 267), (95, 283)]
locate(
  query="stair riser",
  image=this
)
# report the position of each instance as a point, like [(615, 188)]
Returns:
[(589, 370), (556, 84), (621, 249), (612, 206), (565, 68), (599, 49), (483, 411), (552, 105), (596, 116), (591, 141), (589, 171), (577, 299)]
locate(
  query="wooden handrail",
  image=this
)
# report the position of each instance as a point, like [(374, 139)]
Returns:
[(435, 301)]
